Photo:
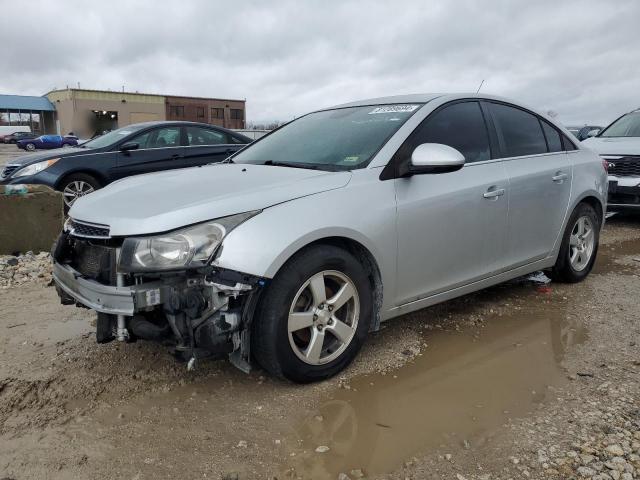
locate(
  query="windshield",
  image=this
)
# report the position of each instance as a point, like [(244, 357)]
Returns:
[(626, 126), (341, 139), (112, 137)]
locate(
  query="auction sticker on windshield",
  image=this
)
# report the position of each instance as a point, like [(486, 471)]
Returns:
[(394, 109)]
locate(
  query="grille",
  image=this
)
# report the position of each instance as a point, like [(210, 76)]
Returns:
[(625, 166), (87, 230), (8, 170), (94, 261)]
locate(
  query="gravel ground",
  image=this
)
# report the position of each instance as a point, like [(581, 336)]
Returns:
[(72, 409)]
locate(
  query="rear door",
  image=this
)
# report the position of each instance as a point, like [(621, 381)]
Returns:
[(158, 149), (451, 226), (540, 177), (208, 145)]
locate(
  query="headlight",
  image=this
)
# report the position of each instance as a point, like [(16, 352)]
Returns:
[(34, 168), (189, 247)]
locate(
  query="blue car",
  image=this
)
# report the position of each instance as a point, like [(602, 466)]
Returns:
[(45, 142)]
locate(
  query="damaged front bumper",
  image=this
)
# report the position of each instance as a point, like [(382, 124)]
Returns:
[(197, 313)]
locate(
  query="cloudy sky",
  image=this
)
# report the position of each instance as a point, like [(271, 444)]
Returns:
[(580, 59)]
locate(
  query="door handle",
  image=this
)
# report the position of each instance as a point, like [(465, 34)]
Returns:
[(493, 192), (559, 177)]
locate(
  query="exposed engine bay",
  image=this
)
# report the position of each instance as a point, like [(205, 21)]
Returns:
[(198, 313)]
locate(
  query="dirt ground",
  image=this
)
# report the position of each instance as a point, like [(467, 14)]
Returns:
[(522, 380)]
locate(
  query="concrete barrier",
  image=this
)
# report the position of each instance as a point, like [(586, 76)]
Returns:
[(30, 222)]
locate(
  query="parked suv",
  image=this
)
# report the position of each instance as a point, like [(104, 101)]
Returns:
[(292, 251), (131, 150), (619, 146)]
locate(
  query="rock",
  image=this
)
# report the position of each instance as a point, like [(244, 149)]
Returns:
[(231, 476), (242, 444), (448, 457), (12, 261), (322, 449), (357, 473), (343, 476), (460, 477), (615, 450), (586, 472)]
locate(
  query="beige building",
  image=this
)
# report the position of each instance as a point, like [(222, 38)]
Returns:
[(86, 112)]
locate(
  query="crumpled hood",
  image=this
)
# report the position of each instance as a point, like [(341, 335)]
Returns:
[(163, 201), (614, 145)]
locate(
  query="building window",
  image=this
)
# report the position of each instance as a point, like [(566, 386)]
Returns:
[(217, 113), (176, 111), (200, 112), (236, 114)]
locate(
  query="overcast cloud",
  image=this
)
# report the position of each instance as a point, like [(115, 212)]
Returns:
[(580, 59)]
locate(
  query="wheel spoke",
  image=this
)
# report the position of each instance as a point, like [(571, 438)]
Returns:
[(343, 296), (581, 226), (341, 330), (300, 320), (318, 289), (68, 193), (574, 256), (314, 350)]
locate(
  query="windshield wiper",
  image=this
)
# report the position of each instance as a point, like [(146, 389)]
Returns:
[(291, 164)]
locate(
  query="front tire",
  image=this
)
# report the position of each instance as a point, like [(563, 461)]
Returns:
[(314, 316), (76, 186), (579, 245)]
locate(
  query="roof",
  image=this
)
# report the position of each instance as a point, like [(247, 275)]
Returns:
[(162, 95), (395, 99), (25, 102)]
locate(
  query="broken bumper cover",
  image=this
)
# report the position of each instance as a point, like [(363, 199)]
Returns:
[(108, 299)]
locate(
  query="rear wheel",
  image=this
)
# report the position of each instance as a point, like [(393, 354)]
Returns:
[(314, 316), (76, 186), (579, 245), (30, 146)]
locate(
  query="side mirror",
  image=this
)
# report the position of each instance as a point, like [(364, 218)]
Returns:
[(127, 147), (434, 158), (593, 133)]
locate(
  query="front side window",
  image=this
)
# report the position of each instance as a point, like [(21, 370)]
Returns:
[(340, 139), (460, 126), (626, 126), (520, 131), (202, 136)]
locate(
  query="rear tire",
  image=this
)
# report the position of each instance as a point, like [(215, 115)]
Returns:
[(326, 289), (579, 246), (30, 146)]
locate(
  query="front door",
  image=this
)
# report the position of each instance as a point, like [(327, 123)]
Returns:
[(451, 226), (158, 149), (540, 176)]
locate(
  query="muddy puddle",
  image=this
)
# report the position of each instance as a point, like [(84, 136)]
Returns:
[(454, 396), (622, 257)]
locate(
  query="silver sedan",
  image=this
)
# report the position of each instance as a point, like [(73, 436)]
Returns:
[(290, 252)]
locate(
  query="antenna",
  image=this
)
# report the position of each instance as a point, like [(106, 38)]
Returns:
[(481, 83)]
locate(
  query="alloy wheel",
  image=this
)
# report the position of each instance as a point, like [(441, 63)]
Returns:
[(75, 190), (581, 243), (323, 317)]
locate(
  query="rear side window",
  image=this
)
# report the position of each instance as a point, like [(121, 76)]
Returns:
[(460, 126), (203, 136), (553, 137), (519, 131)]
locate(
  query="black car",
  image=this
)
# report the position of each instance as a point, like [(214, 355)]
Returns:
[(131, 150), (15, 136)]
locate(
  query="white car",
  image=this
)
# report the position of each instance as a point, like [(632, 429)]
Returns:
[(619, 146)]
